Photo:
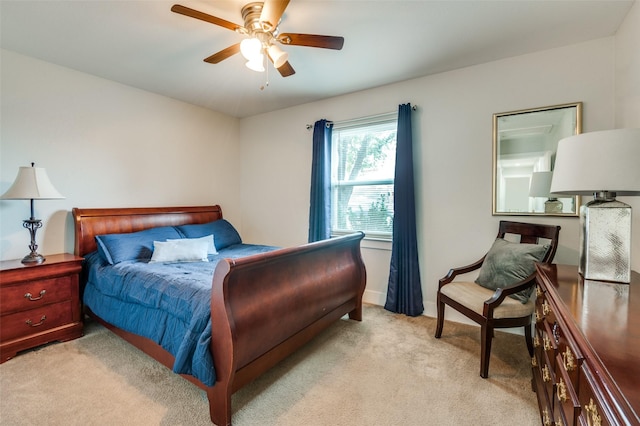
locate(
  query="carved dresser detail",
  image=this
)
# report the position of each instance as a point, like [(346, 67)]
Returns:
[(586, 364)]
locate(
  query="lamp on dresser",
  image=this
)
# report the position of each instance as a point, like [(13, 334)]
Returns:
[(32, 183), (540, 186), (605, 164)]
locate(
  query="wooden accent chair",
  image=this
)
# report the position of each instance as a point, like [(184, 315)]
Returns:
[(507, 269)]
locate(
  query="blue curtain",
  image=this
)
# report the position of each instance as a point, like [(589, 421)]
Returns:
[(320, 205), (404, 292)]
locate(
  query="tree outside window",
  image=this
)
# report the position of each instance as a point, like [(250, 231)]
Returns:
[(362, 177)]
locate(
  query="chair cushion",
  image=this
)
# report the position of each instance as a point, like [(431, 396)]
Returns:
[(473, 296), (507, 263)]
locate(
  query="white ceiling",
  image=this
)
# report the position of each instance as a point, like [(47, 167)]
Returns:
[(145, 45)]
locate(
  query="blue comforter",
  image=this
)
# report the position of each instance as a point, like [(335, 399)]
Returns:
[(168, 303)]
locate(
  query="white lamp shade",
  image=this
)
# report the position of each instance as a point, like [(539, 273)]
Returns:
[(540, 184), (250, 48), (32, 183), (257, 63), (278, 56), (604, 161)]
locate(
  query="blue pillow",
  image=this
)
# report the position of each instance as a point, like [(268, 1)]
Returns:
[(116, 248), (224, 234)]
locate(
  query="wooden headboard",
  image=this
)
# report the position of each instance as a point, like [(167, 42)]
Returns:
[(92, 222)]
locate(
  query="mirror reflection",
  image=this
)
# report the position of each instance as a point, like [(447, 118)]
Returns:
[(524, 149)]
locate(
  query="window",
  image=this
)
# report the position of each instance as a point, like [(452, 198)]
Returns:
[(363, 167)]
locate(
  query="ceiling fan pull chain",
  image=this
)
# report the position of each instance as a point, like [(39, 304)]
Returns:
[(266, 78)]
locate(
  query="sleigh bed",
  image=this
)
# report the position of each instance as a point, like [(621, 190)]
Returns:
[(263, 307)]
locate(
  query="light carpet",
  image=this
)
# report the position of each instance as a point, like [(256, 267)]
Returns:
[(386, 370)]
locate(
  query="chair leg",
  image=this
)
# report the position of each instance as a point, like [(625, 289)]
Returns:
[(440, 320), (528, 338), (485, 353)]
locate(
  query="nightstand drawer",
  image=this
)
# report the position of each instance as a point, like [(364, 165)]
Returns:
[(34, 321), (33, 294)]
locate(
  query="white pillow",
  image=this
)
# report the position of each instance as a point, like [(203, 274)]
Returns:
[(211, 249), (184, 250)]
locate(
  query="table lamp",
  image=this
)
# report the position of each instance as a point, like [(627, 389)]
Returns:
[(604, 164), (32, 183), (540, 187)]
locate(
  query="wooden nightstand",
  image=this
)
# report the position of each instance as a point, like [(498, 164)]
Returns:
[(39, 303)]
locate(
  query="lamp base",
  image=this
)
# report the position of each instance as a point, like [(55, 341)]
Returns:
[(32, 225), (553, 205), (33, 258), (605, 240)]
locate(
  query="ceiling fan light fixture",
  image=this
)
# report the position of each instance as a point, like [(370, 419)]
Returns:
[(256, 63), (250, 48), (277, 55), (260, 30)]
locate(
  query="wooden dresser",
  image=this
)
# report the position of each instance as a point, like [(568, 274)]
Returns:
[(586, 366), (39, 303)]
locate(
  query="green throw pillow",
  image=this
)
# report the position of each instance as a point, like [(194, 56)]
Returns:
[(507, 263)]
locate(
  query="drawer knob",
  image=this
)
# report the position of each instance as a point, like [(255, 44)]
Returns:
[(546, 343), (546, 376), (562, 391), (556, 332), (569, 360), (30, 297), (32, 324), (546, 419), (593, 417)]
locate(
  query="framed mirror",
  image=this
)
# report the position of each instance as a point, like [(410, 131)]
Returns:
[(524, 151)]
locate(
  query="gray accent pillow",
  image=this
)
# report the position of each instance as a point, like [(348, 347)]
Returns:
[(508, 263)]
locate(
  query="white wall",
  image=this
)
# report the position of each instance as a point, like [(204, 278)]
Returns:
[(106, 145), (109, 145), (453, 150)]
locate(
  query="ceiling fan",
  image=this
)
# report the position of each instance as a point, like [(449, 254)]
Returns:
[(261, 22)]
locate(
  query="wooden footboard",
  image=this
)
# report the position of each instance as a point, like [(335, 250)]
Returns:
[(263, 307)]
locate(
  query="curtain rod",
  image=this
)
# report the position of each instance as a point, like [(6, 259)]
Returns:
[(310, 126)]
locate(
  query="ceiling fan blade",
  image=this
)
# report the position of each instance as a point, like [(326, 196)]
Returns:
[(223, 54), (312, 40), (272, 11), (286, 70), (183, 10)]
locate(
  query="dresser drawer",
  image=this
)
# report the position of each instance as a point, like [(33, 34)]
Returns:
[(543, 401), (569, 358), (545, 308), (21, 324), (547, 342), (33, 294), (566, 400), (593, 410)]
